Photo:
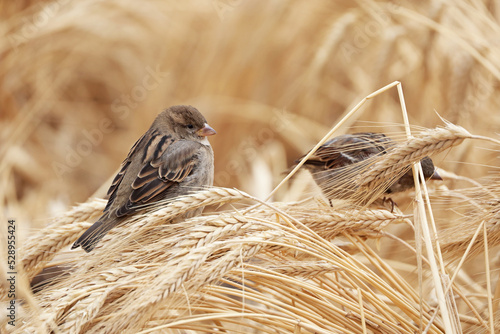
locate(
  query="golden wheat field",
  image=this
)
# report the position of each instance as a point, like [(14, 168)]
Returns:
[(81, 81)]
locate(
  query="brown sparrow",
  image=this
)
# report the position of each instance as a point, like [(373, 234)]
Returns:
[(335, 165), (171, 159)]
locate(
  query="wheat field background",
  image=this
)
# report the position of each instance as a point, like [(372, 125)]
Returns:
[(80, 81)]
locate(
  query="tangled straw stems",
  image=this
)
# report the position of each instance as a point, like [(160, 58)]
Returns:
[(298, 268), (167, 282), (454, 245), (329, 223)]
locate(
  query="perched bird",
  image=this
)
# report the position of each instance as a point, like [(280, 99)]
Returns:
[(171, 159), (335, 165)]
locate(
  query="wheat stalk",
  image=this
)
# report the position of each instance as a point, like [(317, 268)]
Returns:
[(396, 161)]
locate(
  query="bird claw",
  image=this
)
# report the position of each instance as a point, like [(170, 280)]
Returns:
[(388, 199)]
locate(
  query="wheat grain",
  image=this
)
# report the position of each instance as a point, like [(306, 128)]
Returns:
[(84, 311), (37, 256), (42, 247), (397, 161)]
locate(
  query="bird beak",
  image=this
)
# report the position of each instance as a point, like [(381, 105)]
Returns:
[(436, 176), (205, 131)]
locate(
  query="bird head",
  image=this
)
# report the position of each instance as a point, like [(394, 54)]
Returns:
[(186, 122)]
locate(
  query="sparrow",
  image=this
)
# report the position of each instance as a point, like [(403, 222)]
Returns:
[(170, 160), (335, 165)]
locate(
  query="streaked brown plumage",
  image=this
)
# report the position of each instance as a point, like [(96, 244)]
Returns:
[(336, 163), (171, 159)]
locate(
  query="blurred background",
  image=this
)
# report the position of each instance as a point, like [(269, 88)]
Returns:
[(81, 81)]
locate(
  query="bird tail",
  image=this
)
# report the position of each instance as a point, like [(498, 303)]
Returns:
[(92, 236)]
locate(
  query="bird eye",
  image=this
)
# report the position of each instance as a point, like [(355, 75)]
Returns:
[(190, 126)]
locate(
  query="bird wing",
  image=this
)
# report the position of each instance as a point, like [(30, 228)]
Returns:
[(349, 149), (165, 162), (113, 189)]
